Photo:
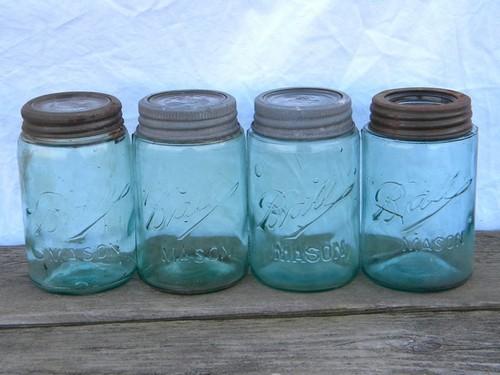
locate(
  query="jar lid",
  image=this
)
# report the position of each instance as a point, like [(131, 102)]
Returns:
[(421, 113), (76, 116), (188, 116), (302, 113)]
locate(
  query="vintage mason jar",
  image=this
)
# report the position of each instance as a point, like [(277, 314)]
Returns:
[(191, 191), (74, 163), (419, 175), (303, 189)]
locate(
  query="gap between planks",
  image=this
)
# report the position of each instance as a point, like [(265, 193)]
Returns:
[(264, 316)]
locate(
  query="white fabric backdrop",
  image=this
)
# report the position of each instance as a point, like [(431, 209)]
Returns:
[(131, 48)]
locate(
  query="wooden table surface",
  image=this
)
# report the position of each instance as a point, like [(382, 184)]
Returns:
[(251, 329)]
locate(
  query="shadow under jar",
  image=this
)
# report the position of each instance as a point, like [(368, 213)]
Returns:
[(304, 189), (419, 177), (74, 165), (191, 192)]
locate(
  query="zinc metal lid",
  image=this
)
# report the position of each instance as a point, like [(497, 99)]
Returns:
[(421, 113), (302, 113), (188, 116), (53, 118)]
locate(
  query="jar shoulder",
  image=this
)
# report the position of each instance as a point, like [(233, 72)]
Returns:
[(74, 146), (256, 141), (28, 152)]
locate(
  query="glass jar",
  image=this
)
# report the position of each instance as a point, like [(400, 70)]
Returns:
[(74, 165), (419, 176), (303, 189), (191, 189)]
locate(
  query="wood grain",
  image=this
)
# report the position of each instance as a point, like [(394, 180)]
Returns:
[(24, 305), (413, 343)]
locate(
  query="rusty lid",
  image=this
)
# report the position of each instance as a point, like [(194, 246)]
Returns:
[(421, 113), (75, 117), (302, 113), (188, 117)]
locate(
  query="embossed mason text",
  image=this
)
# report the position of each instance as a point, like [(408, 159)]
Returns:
[(291, 253), (85, 254), (195, 255), (437, 244)]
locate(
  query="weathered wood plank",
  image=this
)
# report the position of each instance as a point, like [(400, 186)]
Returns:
[(22, 304), (414, 343)]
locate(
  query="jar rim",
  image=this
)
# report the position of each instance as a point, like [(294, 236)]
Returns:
[(421, 113), (302, 113), (72, 117), (188, 116)]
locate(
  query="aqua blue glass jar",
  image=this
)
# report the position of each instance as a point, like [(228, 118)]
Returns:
[(74, 164), (419, 176), (191, 192), (303, 189)]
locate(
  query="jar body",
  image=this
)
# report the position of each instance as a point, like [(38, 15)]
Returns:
[(78, 205), (304, 211), (418, 211), (192, 223)]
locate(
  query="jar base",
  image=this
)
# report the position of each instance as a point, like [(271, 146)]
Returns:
[(416, 272), (270, 275), (81, 278), (173, 278)]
